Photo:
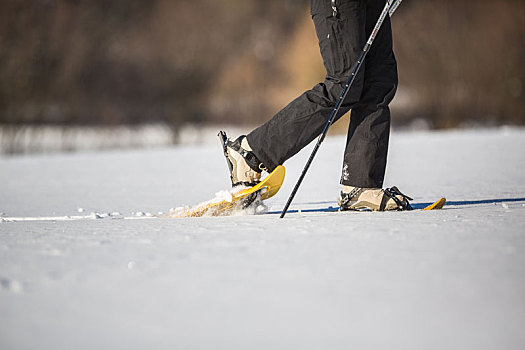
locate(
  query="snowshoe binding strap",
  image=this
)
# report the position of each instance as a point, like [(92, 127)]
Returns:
[(251, 159), (392, 193), (224, 139), (347, 198)]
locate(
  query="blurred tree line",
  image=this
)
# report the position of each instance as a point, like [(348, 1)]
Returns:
[(99, 62), (462, 61)]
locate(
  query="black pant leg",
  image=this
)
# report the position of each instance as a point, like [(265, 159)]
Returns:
[(341, 40), (366, 150)]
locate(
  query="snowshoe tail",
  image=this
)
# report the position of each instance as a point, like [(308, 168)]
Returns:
[(436, 205)]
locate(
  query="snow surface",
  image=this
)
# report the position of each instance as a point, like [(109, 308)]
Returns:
[(88, 278)]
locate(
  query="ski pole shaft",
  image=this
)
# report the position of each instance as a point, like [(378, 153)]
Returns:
[(393, 6), (390, 7)]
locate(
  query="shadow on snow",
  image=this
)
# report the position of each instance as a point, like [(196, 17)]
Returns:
[(416, 206)]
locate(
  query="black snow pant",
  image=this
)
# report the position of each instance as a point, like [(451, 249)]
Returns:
[(341, 40)]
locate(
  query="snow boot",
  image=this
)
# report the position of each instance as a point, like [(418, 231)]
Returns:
[(245, 168), (375, 199)]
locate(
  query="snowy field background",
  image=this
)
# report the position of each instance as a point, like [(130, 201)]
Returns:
[(318, 279)]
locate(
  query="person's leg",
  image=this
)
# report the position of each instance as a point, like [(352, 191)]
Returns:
[(368, 133), (341, 39)]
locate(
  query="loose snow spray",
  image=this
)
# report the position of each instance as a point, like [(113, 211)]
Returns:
[(219, 197), (223, 204), (211, 207)]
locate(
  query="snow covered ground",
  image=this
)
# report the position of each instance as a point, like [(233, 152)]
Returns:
[(318, 279)]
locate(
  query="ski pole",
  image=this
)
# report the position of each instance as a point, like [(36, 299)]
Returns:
[(390, 7), (393, 6)]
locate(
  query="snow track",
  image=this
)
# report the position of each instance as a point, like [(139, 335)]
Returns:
[(318, 279)]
